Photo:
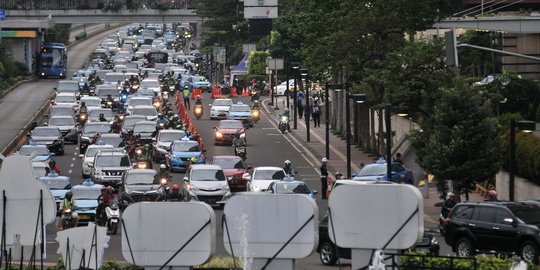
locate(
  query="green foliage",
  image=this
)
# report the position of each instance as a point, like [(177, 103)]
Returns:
[(10, 70), (482, 263), (460, 142), (220, 262), (476, 62), (504, 120), (58, 33), (81, 35), (527, 155), (257, 63)]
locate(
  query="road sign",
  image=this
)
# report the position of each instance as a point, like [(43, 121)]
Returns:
[(2, 14), (274, 63)]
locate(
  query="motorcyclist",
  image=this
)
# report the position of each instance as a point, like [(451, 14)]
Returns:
[(162, 119), (54, 167), (255, 105), (86, 87), (104, 200), (287, 167), (83, 108), (238, 142), (102, 118), (162, 174), (126, 84), (175, 195), (134, 79), (68, 203), (492, 196), (448, 204), (198, 101), (116, 126)]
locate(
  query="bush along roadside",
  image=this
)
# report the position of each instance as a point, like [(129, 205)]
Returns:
[(81, 35), (419, 261)]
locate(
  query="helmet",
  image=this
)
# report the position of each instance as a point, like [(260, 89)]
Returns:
[(101, 115), (52, 163), (256, 102), (492, 193), (160, 115), (109, 95), (338, 174), (287, 110), (287, 162), (449, 195), (69, 195), (83, 103), (198, 97), (186, 87), (175, 187), (110, 188), (162, 166), (324, 159)]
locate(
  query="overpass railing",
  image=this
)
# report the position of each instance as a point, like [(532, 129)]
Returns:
[(113, 5)]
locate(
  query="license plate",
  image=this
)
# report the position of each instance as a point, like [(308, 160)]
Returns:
[(84, 217), (211, 202), (114, 220)]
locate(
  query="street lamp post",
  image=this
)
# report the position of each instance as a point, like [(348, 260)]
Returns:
[(287, 87), (327, 121), (401, 112), (358, 98), (304, 74), (525, 126), (295, 66)]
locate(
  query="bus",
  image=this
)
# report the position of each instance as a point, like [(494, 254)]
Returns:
[(52, 62)]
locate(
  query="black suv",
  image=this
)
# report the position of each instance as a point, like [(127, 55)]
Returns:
[(327, 249), (502, 227)]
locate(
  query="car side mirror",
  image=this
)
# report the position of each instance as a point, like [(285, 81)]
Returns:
[(209, 105), (315, 192), (45, 123), (81, 156), (186, 179)]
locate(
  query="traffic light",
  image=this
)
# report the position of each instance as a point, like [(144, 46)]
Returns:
[(450, 48)]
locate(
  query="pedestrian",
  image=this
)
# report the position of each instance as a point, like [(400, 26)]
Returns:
[(185, 93), (316, 112), (324, 178), (398, 159), (300, 103)]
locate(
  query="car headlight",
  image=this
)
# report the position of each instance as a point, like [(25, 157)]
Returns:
[(225, 188), (219, 134), (193, 188), (173, 157), (243, 135)]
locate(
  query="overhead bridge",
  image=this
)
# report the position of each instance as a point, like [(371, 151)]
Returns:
[(102, 16), (510, 24)]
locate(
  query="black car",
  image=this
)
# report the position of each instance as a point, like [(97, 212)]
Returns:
[(327, 249), (49, 136), (502, 227)]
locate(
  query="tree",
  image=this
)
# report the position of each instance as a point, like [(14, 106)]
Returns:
[(476, 62), (461, 141)]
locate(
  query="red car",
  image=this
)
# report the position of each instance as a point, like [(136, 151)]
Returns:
[(225, 131), (235, 170)]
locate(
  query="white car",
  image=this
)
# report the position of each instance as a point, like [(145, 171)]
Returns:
[(135, 101), (90, 102), (148, 111), (262, 177), (220, 108), (206, 183), (282, 87), (69, 99), (88, 158), (151, 84)]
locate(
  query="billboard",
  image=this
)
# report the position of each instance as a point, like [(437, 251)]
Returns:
[(263, 12), (260, 3)]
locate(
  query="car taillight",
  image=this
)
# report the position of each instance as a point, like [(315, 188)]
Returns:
[(446, 222)]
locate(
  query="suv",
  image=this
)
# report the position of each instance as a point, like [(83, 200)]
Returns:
[(503, 227), (140, 185), (109, 167), (206, 183), (88, 158)]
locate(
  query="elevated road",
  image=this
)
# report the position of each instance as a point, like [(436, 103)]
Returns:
[(511, 24)]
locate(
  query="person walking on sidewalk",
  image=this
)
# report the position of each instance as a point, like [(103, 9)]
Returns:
[(300, 103), (316, 112), (324, 178)]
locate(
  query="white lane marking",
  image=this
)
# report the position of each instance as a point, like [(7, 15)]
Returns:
[(268, 128), (273, 134), (76, 148), (71, 165), (73, 159), (70, 171)]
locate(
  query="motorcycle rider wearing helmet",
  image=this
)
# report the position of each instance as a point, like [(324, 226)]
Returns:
[(53, 167), (134, 79), (102, 118), (255, 105), (198, 101), (287, 167), (104, 200), (162, 174), (68, 203), (238, 142), (175, 195), (83, 108), (162, 119), (448, 204)]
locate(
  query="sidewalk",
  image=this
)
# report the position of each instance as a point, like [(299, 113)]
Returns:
[(338, 162)]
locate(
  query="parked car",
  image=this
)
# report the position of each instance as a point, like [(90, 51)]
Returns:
[(109, 167), (206, 183), (377, 172), (58, 186), (41, 152), (329, 252), (140, 185), (226, 130), (49, 136), (182, 152), (262, 177), (162, 142), (291, 187), (502, 227), (220, 108), (235, 170), (88, 158), (85, 197)]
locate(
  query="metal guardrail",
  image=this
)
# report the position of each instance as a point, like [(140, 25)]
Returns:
[(96, 4)]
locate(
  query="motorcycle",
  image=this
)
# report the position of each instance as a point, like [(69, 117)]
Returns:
[(284, 123), (123, 99), (198, 111), (134, 87), (68, 221), (143, 159), (113, 217), (156, 102), (82, 118), (241, 152), (254, 95), (256, 115)]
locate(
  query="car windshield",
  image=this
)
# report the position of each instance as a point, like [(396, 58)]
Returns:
[(86, 194), (40, 151), (114, 77), (145, 111), (230, 163), (65, 99), (170, 136), (144, 128), (186, 146), (104, 92), (372, 170), (46, 132), (140, 178), (63, 121), (91, 102), (222, 102), (242, 108), (150, 83), (130, 121), (289, 188), (200, 79), (529, 214), (207, 175), (56, 183), (231, 125), (269, 175), (140, 101), (114, 141), (91, 151), (96, 127), (112, 161), (61, 111), (67, 87)]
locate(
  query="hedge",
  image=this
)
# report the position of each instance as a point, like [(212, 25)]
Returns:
[(527, 163), (482, 263)]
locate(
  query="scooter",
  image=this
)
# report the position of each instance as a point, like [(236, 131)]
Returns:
[(68, 221), (113, 217), (256, 115), (198, 111), (82, 118), (284, 123)]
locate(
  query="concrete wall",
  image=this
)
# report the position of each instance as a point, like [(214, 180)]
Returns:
[(528, 44), (524, 189)]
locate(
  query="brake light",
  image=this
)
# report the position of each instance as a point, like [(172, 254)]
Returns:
[(446, 222)]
